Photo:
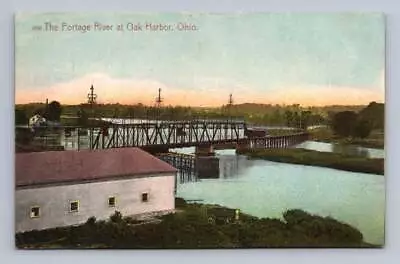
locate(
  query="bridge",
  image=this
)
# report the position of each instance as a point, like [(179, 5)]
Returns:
[(159, 136), (169, 134)]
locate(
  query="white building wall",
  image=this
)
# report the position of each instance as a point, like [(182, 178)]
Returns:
[(54, 201)]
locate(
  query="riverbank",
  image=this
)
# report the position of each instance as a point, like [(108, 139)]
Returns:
[(375, 140), (190, 227), (317, 158)]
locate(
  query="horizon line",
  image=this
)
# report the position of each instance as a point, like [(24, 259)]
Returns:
[(203, 106)]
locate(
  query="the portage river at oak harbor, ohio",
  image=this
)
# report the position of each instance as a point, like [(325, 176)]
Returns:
[(266, 189)]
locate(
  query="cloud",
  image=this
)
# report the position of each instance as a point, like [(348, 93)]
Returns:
[(206, 91)]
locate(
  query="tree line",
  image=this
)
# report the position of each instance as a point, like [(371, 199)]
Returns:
[(270, 115), (352, 121), (359, 125)]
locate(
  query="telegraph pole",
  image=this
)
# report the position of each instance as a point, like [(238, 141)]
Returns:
[(159, 100), (92, 101), (230, 103)]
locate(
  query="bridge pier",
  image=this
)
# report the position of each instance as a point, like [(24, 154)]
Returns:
[(205, 150), (242, 146), (207, 167)]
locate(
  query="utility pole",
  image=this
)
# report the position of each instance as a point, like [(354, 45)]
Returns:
[(92, 101), (46, 112), (159, 100), (230, 103)]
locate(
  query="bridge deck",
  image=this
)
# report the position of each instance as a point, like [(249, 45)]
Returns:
[(172, 134)]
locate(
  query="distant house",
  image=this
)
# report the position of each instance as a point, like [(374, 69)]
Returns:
[(37, 120), (61, 188)]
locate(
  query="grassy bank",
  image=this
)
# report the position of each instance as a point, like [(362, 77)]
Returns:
[(321, 159), (375, 140), (283, 132), (189, 227)]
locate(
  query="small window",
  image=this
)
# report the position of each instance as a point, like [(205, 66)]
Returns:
[(111, 201), (145, 197), (74, 206), (35, 211)]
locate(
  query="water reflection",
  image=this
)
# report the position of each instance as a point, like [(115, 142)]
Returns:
[(266, 189), (343, 149)]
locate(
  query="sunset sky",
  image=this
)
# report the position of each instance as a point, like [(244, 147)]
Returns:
[(310, 59)]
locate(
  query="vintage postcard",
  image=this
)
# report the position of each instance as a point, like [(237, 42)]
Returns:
[(199, 130)]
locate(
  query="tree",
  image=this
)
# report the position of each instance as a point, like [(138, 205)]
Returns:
[(289, 118), (362, 128), (53, 112), (20, 117), (375, 114), (343, 123), (305, 119)]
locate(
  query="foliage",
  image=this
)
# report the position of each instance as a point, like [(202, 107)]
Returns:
[(317, 158), (21, 117), (53, 112), (258, 114), (343, 123), (180, 203), (190, 229), (362, 128), (91, 220), (252, 113), (324, 134), (116, 217), (358, 125), (375, 114)]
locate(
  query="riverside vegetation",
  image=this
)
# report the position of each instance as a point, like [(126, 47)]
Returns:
[(189, 228), (317, 158), (325, 134)]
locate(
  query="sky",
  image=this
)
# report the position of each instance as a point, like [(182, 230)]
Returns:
[(311, 59)]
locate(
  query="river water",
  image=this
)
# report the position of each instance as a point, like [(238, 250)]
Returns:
[(266, 189), (348, 149)]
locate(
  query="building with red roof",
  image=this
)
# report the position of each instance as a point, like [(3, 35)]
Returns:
[(61, 188)]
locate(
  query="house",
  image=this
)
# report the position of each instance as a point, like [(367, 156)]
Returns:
[(36, 120), (61, 188)]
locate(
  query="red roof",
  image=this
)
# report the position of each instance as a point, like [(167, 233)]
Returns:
[(72, 166)]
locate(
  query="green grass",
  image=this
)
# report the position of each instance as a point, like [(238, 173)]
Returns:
[(321, 159), (189, 228), (282, 132)]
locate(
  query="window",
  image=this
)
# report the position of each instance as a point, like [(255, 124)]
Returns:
[(74, 206), (111, 201), (145, 197), (35, 211)]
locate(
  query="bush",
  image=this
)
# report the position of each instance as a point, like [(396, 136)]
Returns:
[(116, 217), (91, 221), (362, 129), (188, 229), (179, 202), (343, 123)]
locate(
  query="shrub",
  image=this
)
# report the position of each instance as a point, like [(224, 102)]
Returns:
[(116, 217), (91, 220)]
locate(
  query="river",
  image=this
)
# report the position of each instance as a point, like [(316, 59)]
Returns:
[(348, 149), (266, 189)]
